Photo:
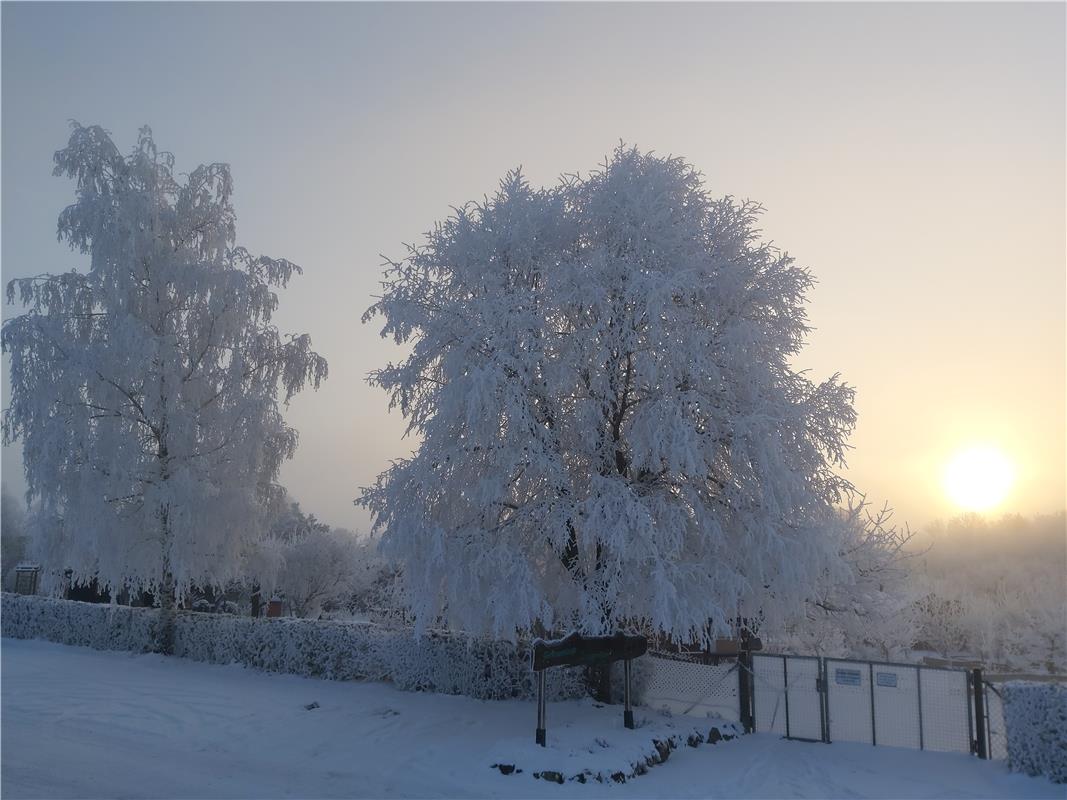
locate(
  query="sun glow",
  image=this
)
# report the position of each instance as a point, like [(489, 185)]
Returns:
[(979, 478)]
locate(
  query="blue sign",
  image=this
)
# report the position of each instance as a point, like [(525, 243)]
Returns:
[(886, 679), (847, 677)]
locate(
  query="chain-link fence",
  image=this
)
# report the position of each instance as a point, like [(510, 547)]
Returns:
[(995, 727)]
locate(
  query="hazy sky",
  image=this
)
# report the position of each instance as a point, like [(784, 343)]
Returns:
[(911, 155)]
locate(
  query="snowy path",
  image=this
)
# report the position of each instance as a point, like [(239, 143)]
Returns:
[(81, 723)]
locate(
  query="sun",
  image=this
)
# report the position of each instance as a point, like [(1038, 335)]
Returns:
[(979, 478)]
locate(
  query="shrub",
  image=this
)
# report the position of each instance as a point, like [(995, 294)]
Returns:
[(332, 649), (1035, 716)]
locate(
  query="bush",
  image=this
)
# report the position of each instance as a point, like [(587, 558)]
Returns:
[(331, 649), (1035, 716)]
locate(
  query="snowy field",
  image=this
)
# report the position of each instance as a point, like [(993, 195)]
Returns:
[(81, 723)]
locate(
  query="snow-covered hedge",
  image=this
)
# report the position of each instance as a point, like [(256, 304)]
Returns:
[(1035, 716), (315, 648), (96, 625)]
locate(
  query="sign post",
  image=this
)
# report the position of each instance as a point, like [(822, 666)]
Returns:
[(628, 713), (577, 650)]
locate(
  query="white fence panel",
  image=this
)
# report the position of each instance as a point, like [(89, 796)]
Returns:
[(848, 687), (769, 698), (689, 687), (896, 706), (946, 710), (805, 702)]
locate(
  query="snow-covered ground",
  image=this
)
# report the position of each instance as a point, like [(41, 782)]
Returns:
[(82, 723)]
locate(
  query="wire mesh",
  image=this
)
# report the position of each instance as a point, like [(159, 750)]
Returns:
[(768, 692), (896, 705), (786, 695), (996, 730), (685, 685), (848, 701), (804, 701), (946, 710)]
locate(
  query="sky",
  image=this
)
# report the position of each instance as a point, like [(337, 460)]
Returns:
[(911, 155)]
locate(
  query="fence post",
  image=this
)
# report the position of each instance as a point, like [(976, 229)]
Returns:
[(744, 688), (539, 733), (979, 714), (919, 698), (870, 681), (628, 712), (824, 700), (785, 685)]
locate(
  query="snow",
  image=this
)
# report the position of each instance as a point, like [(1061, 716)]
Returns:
[(83, 723)]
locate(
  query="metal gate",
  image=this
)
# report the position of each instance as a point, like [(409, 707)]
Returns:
[(786, 696), (873, 702)]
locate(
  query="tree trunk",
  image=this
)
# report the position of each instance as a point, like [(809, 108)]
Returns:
[(168, 616), (600, 682), (256, 600)]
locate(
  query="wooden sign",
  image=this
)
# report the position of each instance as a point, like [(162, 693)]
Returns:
[(577, 650)]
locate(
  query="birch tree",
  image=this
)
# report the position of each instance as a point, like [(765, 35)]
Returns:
[(611, 430), (146, 390)]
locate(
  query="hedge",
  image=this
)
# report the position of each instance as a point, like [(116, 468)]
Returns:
[(336, 650), (1035, 719)]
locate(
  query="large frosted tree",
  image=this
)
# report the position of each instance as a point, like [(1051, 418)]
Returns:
[(612, 433), (146, 389)]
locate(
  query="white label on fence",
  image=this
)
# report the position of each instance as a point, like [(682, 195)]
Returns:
[(847, 677), (886, 679)]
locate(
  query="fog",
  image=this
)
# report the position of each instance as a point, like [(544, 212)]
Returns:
[(910, 155)]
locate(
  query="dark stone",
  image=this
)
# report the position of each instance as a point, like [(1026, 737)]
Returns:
[(727, 737), (714, 737), (505, 769), (310, 706), (695, 739), (663, 749), (550, 775), (580, 777), (618, 777)]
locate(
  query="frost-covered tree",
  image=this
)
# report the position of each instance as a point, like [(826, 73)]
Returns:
[(994, 590), (13, 538), (291, 524), (146, 389), (612, 431), (868, 608), (324, 567)]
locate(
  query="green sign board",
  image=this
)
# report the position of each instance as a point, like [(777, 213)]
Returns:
[(577, 650)]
